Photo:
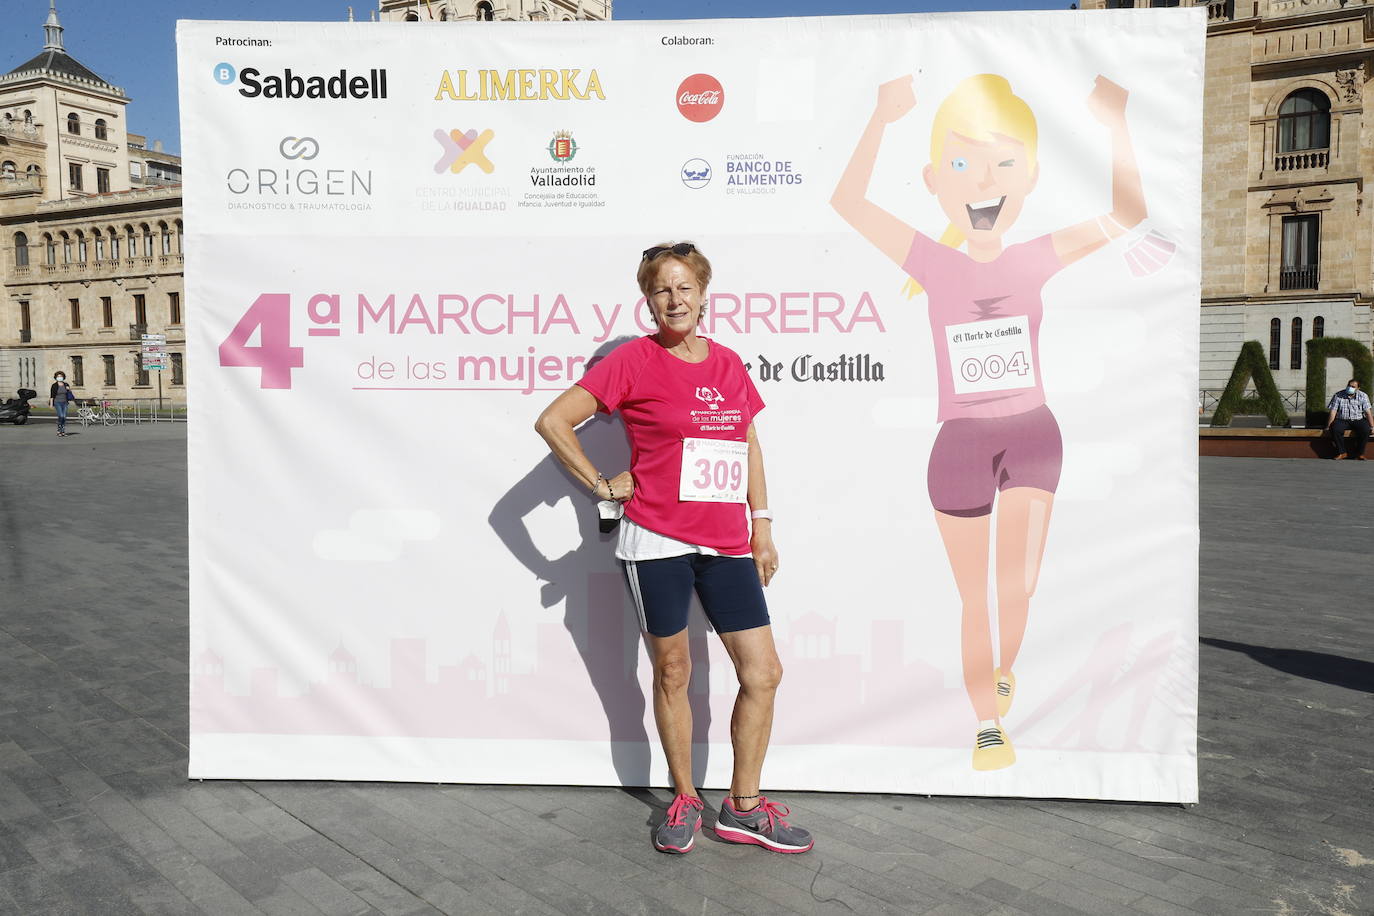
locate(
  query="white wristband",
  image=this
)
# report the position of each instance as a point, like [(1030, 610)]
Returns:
[(762, 513)]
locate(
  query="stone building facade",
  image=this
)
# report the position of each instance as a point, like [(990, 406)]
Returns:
[(492, 10), (90, 235), (1286, 244)]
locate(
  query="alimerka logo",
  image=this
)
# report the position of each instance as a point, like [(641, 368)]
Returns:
[(700, 97), (518, 85), (462, 149), (290, 85)]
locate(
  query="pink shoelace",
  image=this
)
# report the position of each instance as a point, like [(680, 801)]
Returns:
[(677, 811), (775, 812)]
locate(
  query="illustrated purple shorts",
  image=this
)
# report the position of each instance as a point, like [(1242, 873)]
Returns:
[(975, 458)]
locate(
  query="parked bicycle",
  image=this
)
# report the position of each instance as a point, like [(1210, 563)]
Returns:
[(95, 412)]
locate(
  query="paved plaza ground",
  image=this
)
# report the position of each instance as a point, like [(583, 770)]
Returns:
[(96, 814)]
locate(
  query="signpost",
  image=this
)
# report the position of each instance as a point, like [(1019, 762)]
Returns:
[(154, 355)]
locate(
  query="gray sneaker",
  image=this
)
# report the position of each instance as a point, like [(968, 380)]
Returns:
[(679, 831), (763, 826)]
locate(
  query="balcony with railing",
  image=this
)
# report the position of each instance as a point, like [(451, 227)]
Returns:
[(1220, 10), (1302, 159), (1301, 277)]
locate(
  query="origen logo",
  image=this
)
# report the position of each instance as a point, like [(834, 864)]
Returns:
[(225, 74), (700, 97), (463, 149), (299, 148)]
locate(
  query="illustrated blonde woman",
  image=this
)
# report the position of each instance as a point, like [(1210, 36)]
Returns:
[(998, 441)]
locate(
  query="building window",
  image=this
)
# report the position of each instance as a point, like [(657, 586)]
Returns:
[(21, 250), (32, 172), (1275, 330), (102, 133), (78, 372), (484, 12), (1319, 326), (133, 241), (1300, 255), (50, 250), (174, 308), (81, 247), (178, 373), (106, 312), (74, 123), (166, 239), (136, 169), (1120, 4), (1305, 121), (75, 305), (108, 361), (147, 241), (25, 322), (1295, 346), (102, 180), (140, 374), (1158, 4), (114, 245), (99, 245), (66, 249), (141, 312), (6, 170), (74, 175)]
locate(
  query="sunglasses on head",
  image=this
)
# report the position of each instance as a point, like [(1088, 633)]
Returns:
[(680, 249)]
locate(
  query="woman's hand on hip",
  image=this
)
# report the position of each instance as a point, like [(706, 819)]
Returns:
[(622, 487), (765, 554)]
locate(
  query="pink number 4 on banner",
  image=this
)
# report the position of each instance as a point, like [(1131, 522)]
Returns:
[(270, 314)]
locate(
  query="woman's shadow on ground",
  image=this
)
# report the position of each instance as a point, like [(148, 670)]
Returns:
[(597, 611)]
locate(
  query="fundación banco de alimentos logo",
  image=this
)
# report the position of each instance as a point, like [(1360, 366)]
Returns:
[(696, 173), (462, 149)]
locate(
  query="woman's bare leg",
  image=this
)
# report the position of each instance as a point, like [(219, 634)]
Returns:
[(759, 671), (672, 711), (1023, 524), (966, 543)]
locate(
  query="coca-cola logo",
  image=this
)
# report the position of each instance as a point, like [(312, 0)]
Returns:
[(700, 97)]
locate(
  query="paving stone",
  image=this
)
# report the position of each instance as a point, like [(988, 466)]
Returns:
[(96, 814)]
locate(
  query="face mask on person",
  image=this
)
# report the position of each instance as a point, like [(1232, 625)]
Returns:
[(61, 378), (1350, 389)]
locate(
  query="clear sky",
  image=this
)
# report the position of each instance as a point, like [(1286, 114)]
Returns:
[(133, 47)]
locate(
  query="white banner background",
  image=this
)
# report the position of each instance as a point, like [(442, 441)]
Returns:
[(390, 579)]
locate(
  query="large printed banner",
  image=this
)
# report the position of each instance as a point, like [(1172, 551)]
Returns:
[(406, 239)]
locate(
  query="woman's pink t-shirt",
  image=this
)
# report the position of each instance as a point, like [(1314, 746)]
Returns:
[(985, 322), (663, 401)]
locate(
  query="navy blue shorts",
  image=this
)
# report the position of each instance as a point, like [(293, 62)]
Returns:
[(728, 587)]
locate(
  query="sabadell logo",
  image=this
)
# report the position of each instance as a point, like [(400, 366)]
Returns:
[(700, 97), (255, 84)]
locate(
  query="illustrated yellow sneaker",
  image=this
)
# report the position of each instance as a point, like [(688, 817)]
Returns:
[(992, 749), (1006, 690)]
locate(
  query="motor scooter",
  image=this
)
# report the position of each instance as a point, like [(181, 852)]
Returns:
[(16, 410)]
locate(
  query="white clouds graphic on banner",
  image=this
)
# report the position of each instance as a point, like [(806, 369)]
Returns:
[(376, 535)]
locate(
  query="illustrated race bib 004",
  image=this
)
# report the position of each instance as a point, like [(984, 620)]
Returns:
[(714, 470), (992, 355)]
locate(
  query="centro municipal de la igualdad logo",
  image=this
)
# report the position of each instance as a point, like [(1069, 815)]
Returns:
[(462, 149)]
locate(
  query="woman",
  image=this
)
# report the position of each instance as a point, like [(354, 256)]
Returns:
[(59, 396), (688, 407), (998, 439)]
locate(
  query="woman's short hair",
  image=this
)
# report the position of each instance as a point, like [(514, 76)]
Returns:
[(694, 259)]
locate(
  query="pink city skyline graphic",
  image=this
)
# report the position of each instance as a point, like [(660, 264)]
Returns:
[(891, 702)]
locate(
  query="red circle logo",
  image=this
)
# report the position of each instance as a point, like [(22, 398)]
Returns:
[(700, 97)]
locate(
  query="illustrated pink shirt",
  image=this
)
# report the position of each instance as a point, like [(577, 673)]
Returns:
[(985, 322), (663, 401)]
